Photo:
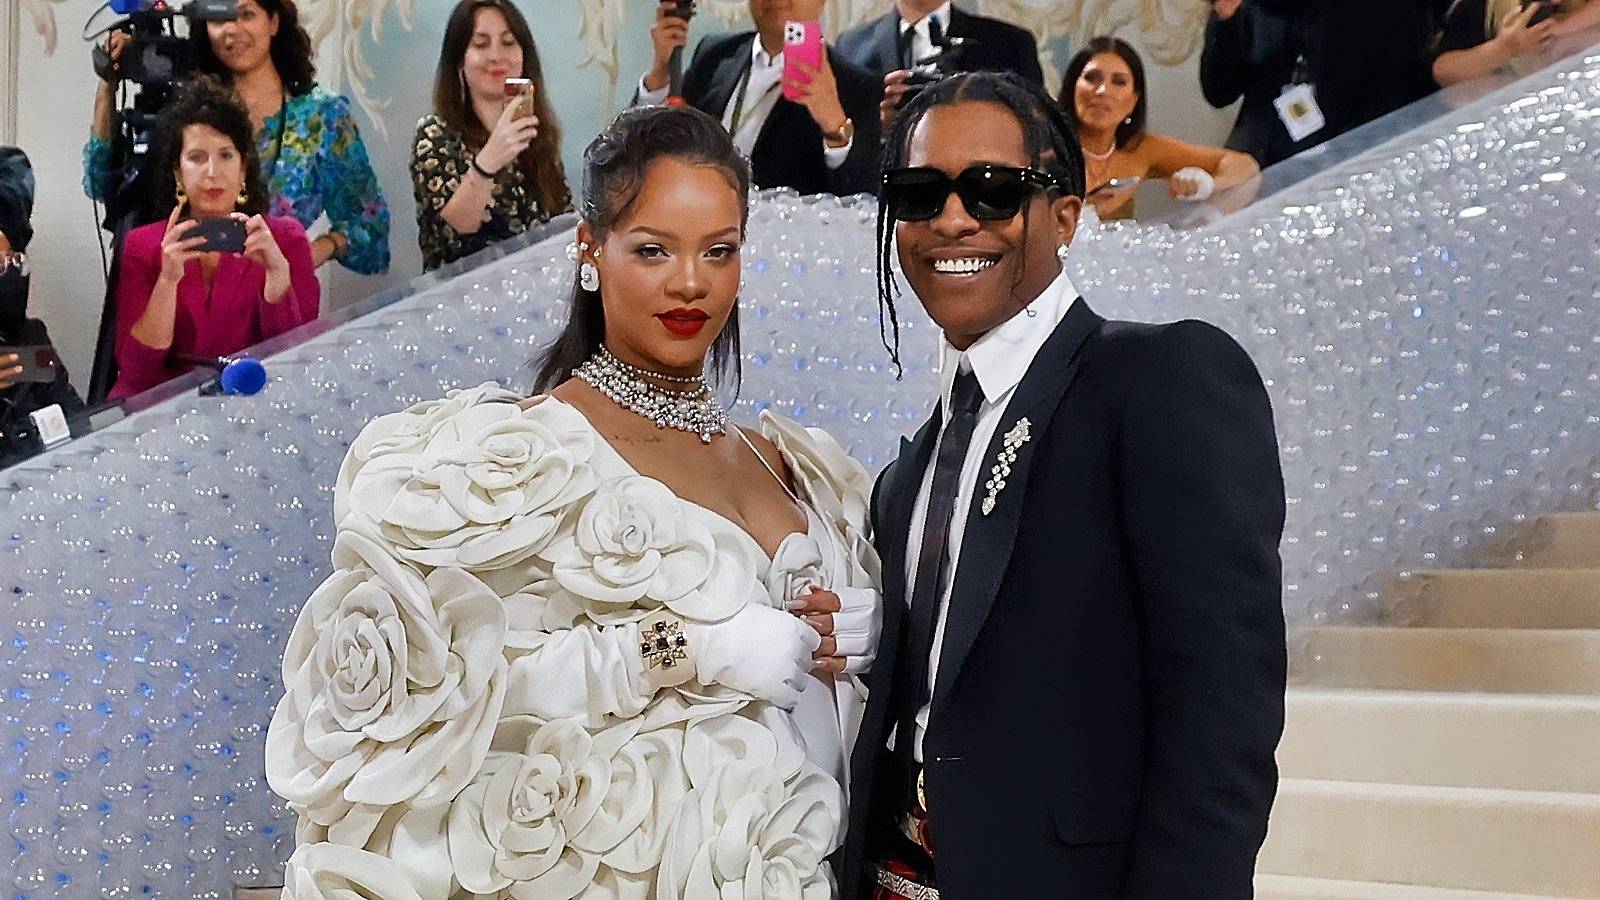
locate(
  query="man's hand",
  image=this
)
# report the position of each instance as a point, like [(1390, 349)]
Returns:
[(1225, 9), (894, 94), (667, 34), (818, 92)]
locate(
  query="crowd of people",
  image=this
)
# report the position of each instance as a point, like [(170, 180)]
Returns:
[(256, 138)]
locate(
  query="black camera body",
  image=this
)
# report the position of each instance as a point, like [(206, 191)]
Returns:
[(948, 61)]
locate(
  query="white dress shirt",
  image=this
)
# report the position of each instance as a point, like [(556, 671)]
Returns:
[(999, 359), (922, 41), (761, 95)]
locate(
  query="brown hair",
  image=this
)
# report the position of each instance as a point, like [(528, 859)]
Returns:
[(1129, 132), (206, 101), (291, 50), (541, 162)]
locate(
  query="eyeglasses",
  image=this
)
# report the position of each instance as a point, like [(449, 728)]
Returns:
[(990, 193)]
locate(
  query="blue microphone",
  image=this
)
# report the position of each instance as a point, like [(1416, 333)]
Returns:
[(235, 375)]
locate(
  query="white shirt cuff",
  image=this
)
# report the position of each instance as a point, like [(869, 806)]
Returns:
[(649, 97), (834, 157)]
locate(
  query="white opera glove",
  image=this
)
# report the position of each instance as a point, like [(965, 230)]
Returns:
[(586, 672), (1201, 182), (761, 651), (856, 627)]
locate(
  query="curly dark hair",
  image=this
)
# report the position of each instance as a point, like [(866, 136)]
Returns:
[(614, 167), (292, 53), (206, 101), (541, 162), (1050, 140)]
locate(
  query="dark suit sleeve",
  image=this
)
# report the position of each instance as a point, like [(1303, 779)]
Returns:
[(1225, 60), (1203, 509), (16, 197), (1026, 55), (859, 94)]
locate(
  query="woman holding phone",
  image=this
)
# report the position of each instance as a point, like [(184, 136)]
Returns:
[(1103, 95), (1480, 36), (486, 164), (196, 284)]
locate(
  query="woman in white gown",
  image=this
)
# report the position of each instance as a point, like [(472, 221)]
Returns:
[(600, 642)]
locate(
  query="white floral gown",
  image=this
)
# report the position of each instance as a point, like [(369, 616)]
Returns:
[(462, 716)]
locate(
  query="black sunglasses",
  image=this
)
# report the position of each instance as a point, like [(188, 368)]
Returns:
[(990, 193)]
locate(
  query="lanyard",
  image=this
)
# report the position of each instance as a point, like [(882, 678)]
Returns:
[(739, 97)]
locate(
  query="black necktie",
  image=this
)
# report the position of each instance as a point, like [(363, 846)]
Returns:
[(911, 681), (935, 34), (903, 47)]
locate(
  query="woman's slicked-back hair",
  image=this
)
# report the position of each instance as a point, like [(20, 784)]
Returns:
[(206, 101), (291, 50), (615, 165), (541, 162), (1048, 136), (1128, 132)]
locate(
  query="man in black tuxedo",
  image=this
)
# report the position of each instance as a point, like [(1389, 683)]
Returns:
[(826, 142), (1079, 688), (912, 30)]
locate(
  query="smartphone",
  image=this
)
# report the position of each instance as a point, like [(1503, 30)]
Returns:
[(223, 234), (520, 90), (1116, 186), (39, 362), (802, 42), (1546, 10)]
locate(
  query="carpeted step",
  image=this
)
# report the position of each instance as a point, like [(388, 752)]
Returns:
[(1288, 887), (1569, 540), (1500, 598), (1534, 661), (1450, 837), (1533, 742)]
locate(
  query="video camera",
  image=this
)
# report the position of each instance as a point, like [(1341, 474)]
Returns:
[(947, 59)]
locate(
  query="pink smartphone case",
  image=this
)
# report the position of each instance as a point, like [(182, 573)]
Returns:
[(802, 42)]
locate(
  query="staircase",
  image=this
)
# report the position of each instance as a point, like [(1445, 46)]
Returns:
[(1457, 757)]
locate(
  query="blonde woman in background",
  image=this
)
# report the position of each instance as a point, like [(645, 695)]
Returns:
[(1480, 36)]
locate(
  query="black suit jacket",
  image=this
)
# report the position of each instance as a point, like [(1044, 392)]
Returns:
[(1111, 683), (1252, 56), (992, 45), (788, 152)]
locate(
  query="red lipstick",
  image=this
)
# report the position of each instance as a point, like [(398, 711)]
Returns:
[(683, 321)]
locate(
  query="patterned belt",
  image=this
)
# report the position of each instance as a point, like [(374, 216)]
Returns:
[(900, 886)]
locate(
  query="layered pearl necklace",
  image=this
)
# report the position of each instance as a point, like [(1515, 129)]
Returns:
[(694, 408)]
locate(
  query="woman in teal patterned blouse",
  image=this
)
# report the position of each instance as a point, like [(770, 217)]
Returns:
[(312, 157)]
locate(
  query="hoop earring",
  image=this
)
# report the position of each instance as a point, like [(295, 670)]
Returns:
[(589, 277)]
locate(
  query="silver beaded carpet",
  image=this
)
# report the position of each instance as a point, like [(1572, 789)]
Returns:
[(1427, 317)]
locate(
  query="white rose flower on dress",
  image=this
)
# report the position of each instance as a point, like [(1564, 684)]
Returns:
[(337, 872), (839, 487), (635, 547), (393, 687), (485, 490), (539, 823), (795, 569), (758, 822)]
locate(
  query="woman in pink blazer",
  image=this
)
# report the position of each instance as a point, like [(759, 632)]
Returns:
[(176, 301)]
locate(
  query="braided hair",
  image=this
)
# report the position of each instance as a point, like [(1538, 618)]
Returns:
[(1048, 137)]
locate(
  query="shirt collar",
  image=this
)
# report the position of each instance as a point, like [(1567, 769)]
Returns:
[(942, 14), (760, 59), (1001, 357)]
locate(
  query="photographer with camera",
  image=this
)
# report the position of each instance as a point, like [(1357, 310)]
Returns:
[(918, 42), (812, 127), (31, 375), (486, 164), (1255, 55), (314, 160), (1480, 36), (219, 274)]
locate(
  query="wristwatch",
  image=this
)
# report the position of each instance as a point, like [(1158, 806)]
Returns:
[(844, 134)]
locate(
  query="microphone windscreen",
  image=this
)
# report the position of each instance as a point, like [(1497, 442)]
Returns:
[(243, 376)]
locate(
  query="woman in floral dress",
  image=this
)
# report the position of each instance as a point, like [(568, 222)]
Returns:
[(599, 642)]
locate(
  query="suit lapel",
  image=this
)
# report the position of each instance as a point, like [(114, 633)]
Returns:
[(987, 543), (886, 40), (899, 497), (960, 24), (725, 80)]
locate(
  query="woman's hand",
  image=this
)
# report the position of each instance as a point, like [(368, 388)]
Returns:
[(10, 369), (848, 625), (261, 247), (1516, 37), (509, 138), (761, 651), (1191, 183), (177, 248)]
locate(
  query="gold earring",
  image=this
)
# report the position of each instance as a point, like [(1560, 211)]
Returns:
[(181, 196), (244, 197)]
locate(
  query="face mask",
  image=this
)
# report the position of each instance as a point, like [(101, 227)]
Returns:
[(13, 296)]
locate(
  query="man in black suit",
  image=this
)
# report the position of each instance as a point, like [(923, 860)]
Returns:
[(914, 29), (827, 142), (1079, 687)]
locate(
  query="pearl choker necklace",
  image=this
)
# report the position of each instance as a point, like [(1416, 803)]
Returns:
[(694, 409), (1098, 157)]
